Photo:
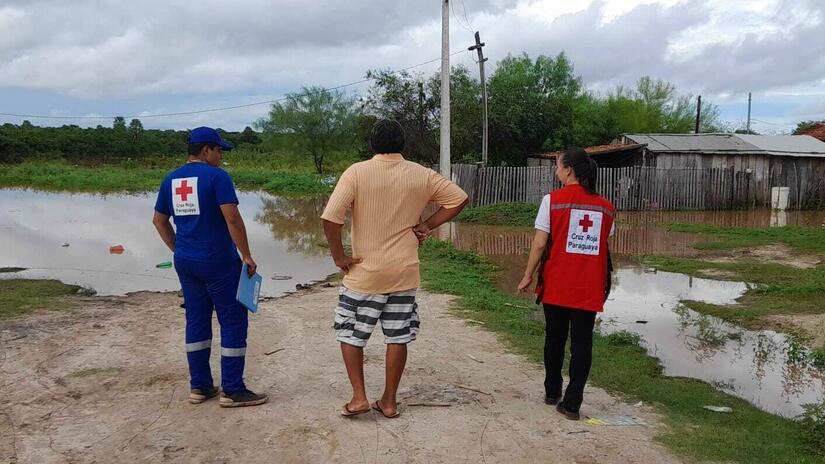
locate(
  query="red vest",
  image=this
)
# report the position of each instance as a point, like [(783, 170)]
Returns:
[(575, 275)]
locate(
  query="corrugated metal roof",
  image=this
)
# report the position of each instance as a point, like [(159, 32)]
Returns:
[(693, 142), (775, 145), (787, 145)]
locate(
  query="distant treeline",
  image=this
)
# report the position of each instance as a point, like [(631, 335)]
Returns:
[(121, 140)]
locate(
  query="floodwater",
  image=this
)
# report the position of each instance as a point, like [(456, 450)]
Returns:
[(755, 365), (68, 237)]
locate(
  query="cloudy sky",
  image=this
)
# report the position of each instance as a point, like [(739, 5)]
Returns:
[(105, 57)]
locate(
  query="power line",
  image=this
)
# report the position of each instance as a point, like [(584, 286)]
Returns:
[(466, 19), (773, 123), (212, 110), (466, 24)]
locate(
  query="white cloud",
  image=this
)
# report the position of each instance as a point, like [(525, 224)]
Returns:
[(108, 51)]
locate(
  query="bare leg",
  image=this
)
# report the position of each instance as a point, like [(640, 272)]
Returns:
[(396, 361), (354, 361)]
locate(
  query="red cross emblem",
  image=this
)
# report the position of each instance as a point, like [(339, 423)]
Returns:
[(586, 223), (185, 190)]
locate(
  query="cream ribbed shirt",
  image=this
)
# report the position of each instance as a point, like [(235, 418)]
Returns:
[(387, 195)]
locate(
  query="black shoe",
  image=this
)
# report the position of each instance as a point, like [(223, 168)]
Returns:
[(572, 415), (241, 399), (199, 395), (551, 400)]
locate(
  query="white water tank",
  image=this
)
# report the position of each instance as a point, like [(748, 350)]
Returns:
[(779, 198)]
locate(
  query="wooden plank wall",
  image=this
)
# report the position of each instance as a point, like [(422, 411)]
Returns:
[(638, 188)]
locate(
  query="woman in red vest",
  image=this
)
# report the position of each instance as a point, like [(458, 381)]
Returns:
[(574, 280)]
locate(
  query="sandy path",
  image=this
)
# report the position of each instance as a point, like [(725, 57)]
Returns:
[(54, 409)]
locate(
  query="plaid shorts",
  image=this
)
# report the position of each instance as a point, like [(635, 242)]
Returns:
[(357, 313)]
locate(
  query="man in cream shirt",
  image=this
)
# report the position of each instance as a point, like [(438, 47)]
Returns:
[(387, 195)]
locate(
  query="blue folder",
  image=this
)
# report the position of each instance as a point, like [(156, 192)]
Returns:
[(249, 289)]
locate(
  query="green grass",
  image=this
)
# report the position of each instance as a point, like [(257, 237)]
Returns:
[(21, 296), (817, 357), (277, 174), (802, 239), (504, 214), (779, 289), (622, 366)]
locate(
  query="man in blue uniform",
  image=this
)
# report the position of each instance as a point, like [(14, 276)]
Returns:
[(208, 234)]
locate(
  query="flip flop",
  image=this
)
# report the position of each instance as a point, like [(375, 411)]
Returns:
[(378, 408), (345, 411)]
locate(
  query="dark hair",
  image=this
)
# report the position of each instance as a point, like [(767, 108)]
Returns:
[(194, 149), (387, 137), (585, 169)]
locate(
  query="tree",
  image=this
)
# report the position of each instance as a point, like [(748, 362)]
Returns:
[(296, 223), (592, 124), (530, 101), (135, 130), (654, 107), (805, 125), (465, 114), (119, 124), (314, 121), (7, 154), (407, 99), (249, 136)]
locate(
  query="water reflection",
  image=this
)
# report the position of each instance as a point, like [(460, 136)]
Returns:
[(34, 226), (757, 366), (762, 367), (295, 221), (508, 246)]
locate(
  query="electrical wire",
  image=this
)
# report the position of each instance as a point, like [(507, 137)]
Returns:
[(466, 25), (772, 123), (212, 110)]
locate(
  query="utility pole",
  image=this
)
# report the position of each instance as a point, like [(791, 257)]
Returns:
[(698, 112), (478, 47), (445, 90), (749, 112)]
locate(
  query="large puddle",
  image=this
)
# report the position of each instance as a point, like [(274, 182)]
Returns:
[(68, 237), (755, 365)]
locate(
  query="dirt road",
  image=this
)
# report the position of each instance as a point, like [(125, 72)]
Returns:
[(108, 383)]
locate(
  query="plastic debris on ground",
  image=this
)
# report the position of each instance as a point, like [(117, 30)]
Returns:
[(66, 245), (615, 421), (116, 249), (164, 265), (281, 277), (718, 408)]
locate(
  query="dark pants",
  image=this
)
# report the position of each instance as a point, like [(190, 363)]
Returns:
[(579, 323), (208, 287)]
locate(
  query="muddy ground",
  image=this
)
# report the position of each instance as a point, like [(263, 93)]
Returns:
[(108, 383), (771, 254)]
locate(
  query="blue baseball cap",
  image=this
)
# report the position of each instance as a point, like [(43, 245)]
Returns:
[(208, 135)]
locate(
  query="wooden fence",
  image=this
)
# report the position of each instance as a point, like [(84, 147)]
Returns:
[(633, 188)]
